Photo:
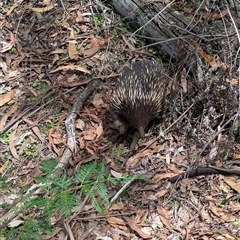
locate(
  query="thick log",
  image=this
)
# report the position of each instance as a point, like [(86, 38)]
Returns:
[(156, 22), (165, 27)]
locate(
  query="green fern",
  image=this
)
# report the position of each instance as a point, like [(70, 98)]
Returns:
[(86, 172), (58, 193), (4, 183), (93, 181), (30, 229), (97, 205), (62, 182), (48, 166), (65, 202), (101, 189)]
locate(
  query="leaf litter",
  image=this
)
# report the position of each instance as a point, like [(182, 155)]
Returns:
[(50, 52)]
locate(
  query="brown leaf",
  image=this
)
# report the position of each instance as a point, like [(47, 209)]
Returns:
[(208, 58), (4, 119), (179, 158), (28, 121), (81, 143), (84, 28), (12, 144), (44, 9), (116, 174), (232, 182), (141, 214), (168, 158), (4, 166), (116, 206), (129, 44), (216, 16), (90, 151), (25, 182), (162, 214), (136, 228), (71, 67), (55, 58), (214, 210), (205, 215), (46, 2), (4, 68), (213, 152), (38, 133), (51, 140), (235, 208), (236, 156), (159, 177), (96, 42), (72, 78), (221, 214), (117, 223), (183, 80), (79, 17), (58, 51), (188, 10), (6, 97), (19, 46), (94, 46), (91, 51), (132, 161), (72, 49), (80, 124), (209, 198), (233, 81), (211, 60), (89, 134), (161, 193), (69, 84), (99, 131)]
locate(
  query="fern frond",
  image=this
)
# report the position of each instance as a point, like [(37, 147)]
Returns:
[(97, 205), (86, 172), (101, 189), (48, 166), (65, 202), (101, 170), (63, 182), (39, 202)]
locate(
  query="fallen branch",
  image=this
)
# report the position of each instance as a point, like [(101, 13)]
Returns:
[(69, 123), (204, 171)]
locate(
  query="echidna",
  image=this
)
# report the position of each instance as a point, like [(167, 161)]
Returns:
[(139, 94)]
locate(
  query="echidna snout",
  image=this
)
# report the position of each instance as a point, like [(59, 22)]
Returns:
[(141, 132)]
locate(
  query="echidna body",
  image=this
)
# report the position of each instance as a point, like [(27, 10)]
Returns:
[(139, 93)]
